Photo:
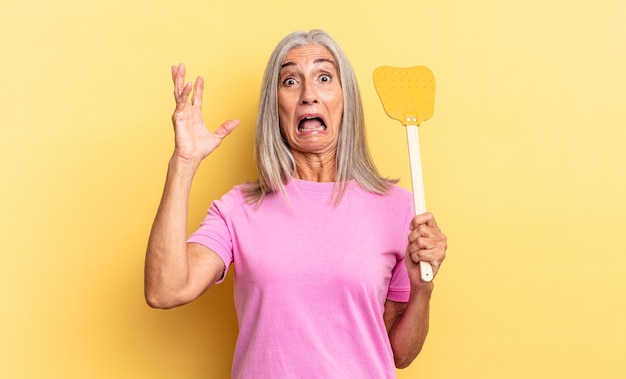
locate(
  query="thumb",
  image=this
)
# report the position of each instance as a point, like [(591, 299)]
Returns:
[(226, 128)]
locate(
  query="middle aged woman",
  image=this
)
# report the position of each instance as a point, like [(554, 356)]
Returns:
[(325, 249)]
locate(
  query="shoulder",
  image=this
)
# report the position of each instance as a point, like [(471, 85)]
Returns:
[(396, 200), (394, 193), (231, 199)]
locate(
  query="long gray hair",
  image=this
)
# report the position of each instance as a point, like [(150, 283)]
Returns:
[(275, 163)]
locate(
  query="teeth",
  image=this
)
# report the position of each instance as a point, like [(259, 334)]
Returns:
[(312, 129), (321, 127)]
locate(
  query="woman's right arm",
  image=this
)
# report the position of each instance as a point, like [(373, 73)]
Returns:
[(177, 272)]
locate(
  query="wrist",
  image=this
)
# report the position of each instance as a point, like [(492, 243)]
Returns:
[(183, 164), (422, 289), (181, 170)]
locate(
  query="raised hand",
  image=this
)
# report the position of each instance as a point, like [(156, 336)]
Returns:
[(193, 141)]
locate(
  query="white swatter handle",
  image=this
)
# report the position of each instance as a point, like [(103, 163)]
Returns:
[(418, 187)]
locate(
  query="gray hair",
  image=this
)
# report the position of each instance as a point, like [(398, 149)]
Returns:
[(276, 164)]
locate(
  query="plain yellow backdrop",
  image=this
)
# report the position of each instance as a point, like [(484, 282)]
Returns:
[(523, 164)]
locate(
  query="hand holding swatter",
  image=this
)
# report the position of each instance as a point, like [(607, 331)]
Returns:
[(408, 95)]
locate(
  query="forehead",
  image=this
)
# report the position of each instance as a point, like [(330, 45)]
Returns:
[(311, 53)]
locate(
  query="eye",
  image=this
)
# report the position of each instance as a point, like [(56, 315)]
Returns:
[(289, 82), (325, 78)]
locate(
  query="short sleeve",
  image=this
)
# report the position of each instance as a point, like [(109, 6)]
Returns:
[(399, 285), (215, 230)]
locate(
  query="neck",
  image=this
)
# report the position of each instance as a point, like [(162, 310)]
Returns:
[(316, 168)]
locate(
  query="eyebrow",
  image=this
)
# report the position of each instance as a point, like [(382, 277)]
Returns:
[(318, 60)]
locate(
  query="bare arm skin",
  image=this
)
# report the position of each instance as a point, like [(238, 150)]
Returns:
[(176, 272), (408, 323)]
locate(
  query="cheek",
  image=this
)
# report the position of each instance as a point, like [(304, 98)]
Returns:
[(338, 110), (284, 110)]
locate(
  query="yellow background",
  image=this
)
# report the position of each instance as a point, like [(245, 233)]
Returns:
[(523, 164)]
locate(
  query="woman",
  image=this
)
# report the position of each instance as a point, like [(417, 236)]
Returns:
[(326, 284)]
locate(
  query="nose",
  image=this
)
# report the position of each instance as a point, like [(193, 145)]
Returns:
[(308, 96)]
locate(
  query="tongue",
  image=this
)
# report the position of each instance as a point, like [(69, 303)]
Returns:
[(313, 123)]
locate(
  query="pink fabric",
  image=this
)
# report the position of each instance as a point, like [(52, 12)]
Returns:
[(311, 278)]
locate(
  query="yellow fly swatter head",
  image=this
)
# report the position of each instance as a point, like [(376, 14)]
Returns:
[(407, 94)]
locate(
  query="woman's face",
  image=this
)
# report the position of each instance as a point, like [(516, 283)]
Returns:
[(310, 100)]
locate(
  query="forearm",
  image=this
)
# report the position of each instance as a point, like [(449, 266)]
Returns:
[(409, 332), (167, 266)]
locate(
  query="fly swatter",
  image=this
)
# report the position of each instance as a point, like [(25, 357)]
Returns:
[(408, 95)]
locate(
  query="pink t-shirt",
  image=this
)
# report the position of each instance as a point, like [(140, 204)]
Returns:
[(311, 278)]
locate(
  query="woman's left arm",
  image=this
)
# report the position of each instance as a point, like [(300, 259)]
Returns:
[(407, 323)]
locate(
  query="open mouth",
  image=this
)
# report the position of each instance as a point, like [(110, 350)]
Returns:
[(311, 124)]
